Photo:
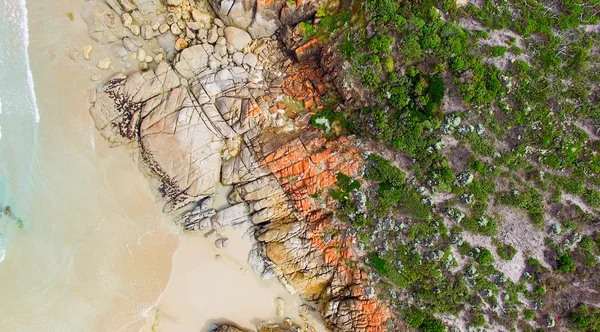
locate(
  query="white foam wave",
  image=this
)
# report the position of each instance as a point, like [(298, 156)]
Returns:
[(2, 250), (25, 30)]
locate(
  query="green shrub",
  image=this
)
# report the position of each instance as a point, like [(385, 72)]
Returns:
[(529, 314), (506, 252), (586, 319), (382, 170), (539, 290), (478, 319), (565, 263), (381, 44), (484, 257), (498, 50)]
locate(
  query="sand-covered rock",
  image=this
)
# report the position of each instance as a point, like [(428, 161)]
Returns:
[(104, 24)]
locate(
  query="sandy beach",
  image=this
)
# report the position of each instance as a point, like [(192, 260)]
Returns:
[(108, 251)]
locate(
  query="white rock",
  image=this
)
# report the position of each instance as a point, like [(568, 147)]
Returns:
[(155, 25), (126, 19), (87, 51), (238, 58), (238, 38), (143, 66), (213, 64), (189, 34), (135, 29), (174, 2), (175, 29), (213, 35), (147, 32), (202, 18), (202, 34), (221, 41), (141, 54), (137, 15), (219, 23), (163, 28), (195, 26), (221, 50), (105, 63), (279, 305), (148, 59), (250, 60), (159, 58), (230, 49)]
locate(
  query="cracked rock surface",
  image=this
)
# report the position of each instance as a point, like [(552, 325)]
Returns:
[(205, 116)]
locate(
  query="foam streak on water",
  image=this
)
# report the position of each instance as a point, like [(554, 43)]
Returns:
[(14, 56)]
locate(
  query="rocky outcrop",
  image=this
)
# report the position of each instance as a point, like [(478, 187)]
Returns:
[(215, 112)]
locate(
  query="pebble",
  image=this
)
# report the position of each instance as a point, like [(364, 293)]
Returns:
[(126, 19), (141, 54), (209, 233), (250, 60), (279, 305), (128, 44), (219, 23), (213, 35), (193, 26), (202, 34), (159, 58), (202, 18), (143, 66), (221, 50), (181, 44), (175, 29), (155, 25), (163, 28), (222, 242), (87, 51), (147, 32), (189, 33), (137, 15), (135, 29), (238, 58), (105, 63), (148, 59)]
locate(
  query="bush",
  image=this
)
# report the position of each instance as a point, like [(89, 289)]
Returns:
[(529, 314), (381, 44), (565, 263), (506, 252), (586, 319), (498, 50), (485, 257), (478, 319), (414, 317), (539, 290)]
